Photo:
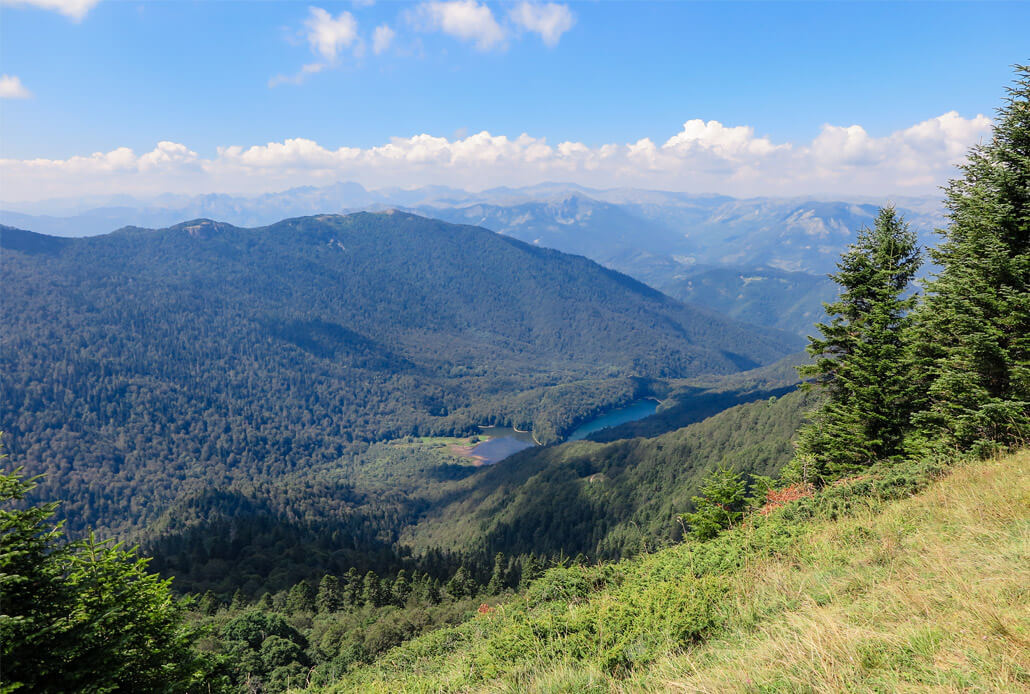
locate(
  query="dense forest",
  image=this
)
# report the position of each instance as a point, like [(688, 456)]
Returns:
[(141, 365), (413, 505), (783, 507)]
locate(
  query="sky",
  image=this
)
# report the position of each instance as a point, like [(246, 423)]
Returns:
[(879, 98)]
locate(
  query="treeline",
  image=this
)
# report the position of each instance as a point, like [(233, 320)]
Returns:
[(410, 506), (946, 370)]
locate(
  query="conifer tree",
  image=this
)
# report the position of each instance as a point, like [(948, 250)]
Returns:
[(208, 604), (499, 575), (85, 615), (461, 584), (300, 599), (401, 588), (530, 570), (372, 592), (352, 587), (238, 602), (720, 505), (330, 597), (974, 326), (861, 360)]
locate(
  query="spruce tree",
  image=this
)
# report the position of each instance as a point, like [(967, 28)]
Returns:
[(861, 360), (401, 589), (499, 576), (974, 326), (372, 592), (720, 505), (300, 598), (330, 596), (85, 615)]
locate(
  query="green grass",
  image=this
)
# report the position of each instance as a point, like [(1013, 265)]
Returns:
[(862, 588)]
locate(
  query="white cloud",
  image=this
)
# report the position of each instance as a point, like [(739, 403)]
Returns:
[(382, 37), (327, 35), (550, 20), (702, 156), (73, 9), (463, 19), (713, 136), (167, 155), (12, 88)]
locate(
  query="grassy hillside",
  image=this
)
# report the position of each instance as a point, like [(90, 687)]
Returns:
[(862, 587)]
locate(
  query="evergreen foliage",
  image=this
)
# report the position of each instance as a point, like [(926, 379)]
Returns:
[(861, 359), (974, 332), (720, 505), (85, 615), (329, 598)]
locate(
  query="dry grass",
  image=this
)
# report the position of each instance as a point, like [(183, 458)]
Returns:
[(932, 594)]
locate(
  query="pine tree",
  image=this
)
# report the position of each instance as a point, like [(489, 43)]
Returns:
[(208, 604), (85, 615), (238, 602), (974, 326), (372, 592), (530, 570), (330, 597), (461, 584), (862, 359), (352, 587), (401, 589), (720, 505), (499, 576), (264, 603), (300, 599)]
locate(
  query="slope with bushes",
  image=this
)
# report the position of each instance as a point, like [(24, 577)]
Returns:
[(856, 586)]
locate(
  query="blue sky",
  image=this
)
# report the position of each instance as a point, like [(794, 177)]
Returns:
[(92, 77)]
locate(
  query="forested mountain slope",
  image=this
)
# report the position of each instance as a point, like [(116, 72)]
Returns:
[(608, 500), (140, 363), (414, 504)]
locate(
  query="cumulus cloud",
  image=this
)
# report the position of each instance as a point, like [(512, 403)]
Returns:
[(463, 19), (327, 35), (728, 142), (12, 88), (550, 20), (703, 156), (73, 9), (382, 37)]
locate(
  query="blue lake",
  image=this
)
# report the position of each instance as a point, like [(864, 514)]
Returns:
[(629, 413), (505, 441)]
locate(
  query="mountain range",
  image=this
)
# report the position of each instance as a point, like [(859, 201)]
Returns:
[(762, 261)]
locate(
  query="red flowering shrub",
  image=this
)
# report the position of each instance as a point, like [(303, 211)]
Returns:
[(776, 498)]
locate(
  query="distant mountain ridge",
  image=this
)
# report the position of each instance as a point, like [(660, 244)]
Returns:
[(665, 239), (795, 234)]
